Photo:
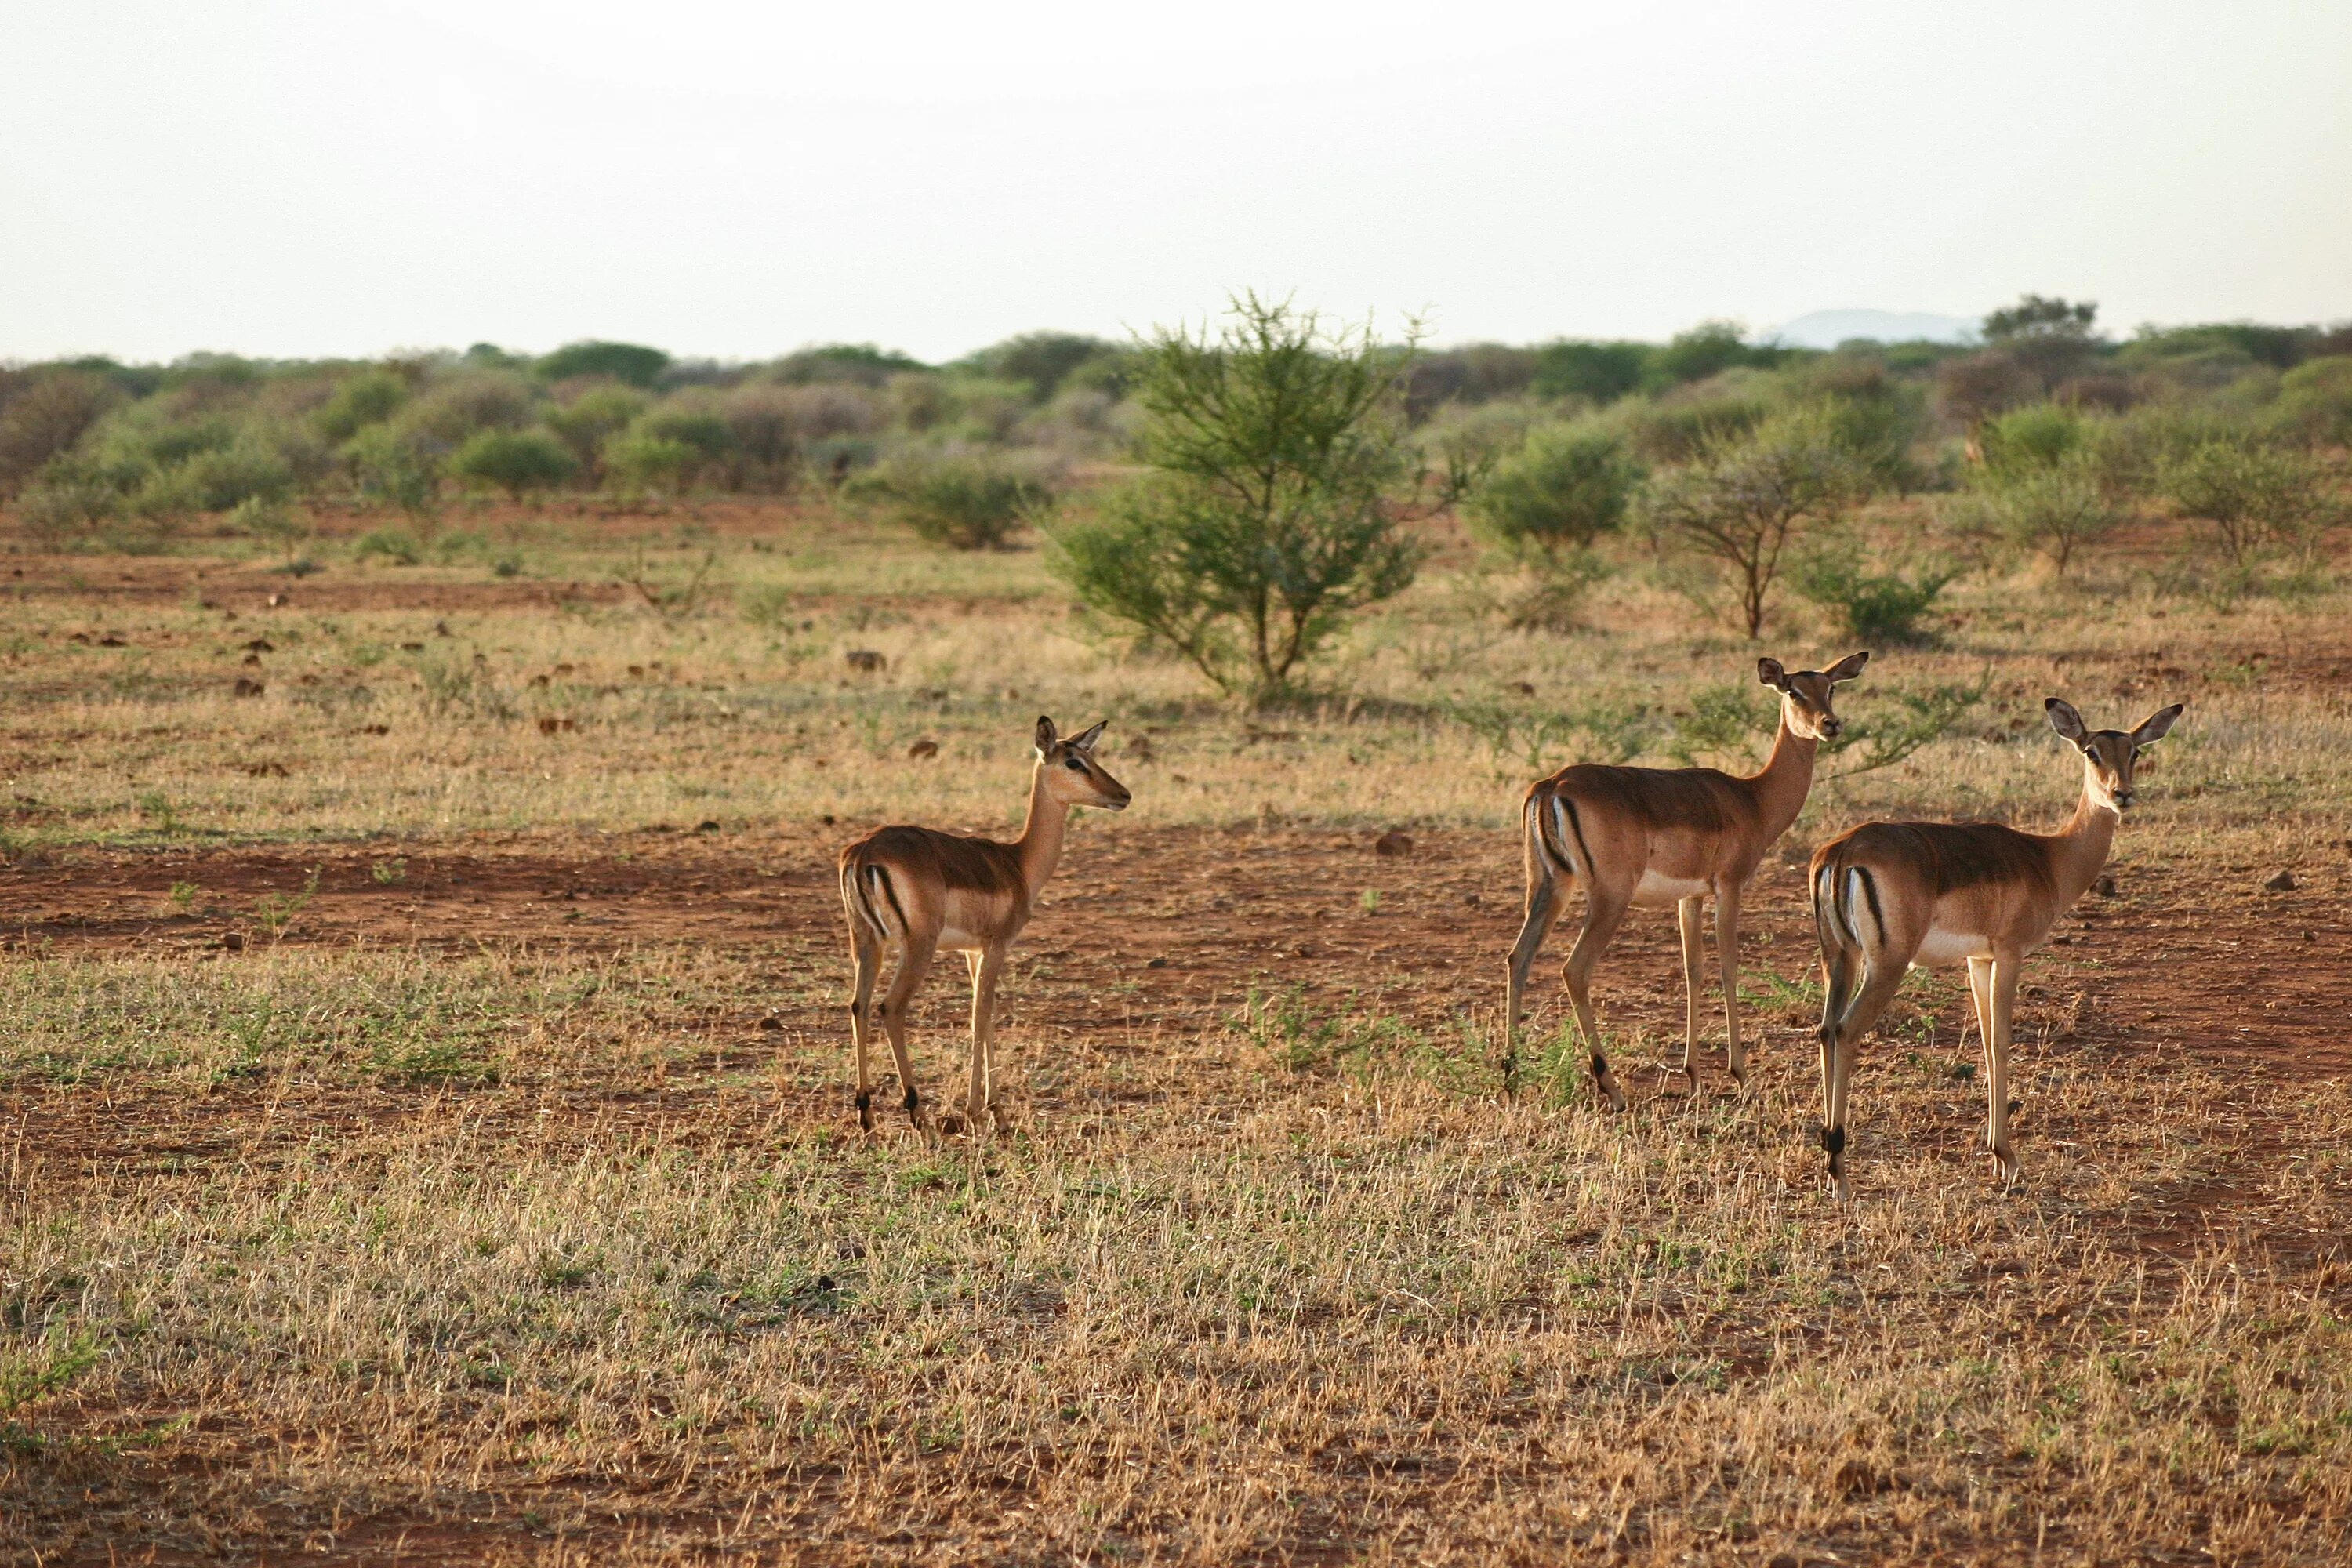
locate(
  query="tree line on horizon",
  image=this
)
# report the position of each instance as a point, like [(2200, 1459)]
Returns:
[(1244, 489)]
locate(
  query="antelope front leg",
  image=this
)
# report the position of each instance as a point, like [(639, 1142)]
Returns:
[(1687, 911), (1726, 958), (979, 1098), (2003, 984)]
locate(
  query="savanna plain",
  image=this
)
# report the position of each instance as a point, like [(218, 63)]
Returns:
[(426, 1129)]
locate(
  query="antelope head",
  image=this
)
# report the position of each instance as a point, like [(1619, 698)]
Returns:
[(1805, 694), (1067, 765), (2110, 757)]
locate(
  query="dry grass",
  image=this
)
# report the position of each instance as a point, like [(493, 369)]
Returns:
[(485, 1244)]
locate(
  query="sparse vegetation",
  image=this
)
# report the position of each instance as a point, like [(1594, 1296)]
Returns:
[(426, 1078)]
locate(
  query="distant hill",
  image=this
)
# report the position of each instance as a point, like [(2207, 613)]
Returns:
[(1827, 329)]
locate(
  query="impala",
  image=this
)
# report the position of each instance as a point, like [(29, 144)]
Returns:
[(1656, 836), (920, 890), (1892, 895)]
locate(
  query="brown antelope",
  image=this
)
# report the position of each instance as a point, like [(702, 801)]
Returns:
[(921, 890), (1927, 894), (1656, 836)]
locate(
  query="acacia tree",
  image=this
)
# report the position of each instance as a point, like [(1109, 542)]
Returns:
[(1747, 496), (1265, 520)]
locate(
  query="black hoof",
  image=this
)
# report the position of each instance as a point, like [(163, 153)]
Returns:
[(866, 1109)]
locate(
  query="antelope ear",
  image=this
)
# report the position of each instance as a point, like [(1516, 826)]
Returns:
[(2157, 726), (1045, 734), (1770, 673), (1845, 669), (2065, 721), (1085, 741)]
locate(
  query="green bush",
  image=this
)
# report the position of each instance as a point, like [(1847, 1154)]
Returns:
[(589, 420), (2038, 435), (2053, 509), (397, 545), (44, 420), (2315, 402), (703, 429), (447, 415), (2253, 493), (640, 461), (1678, 428), (964, 501), (1565, 487), (1704, 351), (630, 362), (358, 402), (1748, 495), (1266, 521), (764, 435), (1870, 607), (1601, 372), (391, 467), (272, 521), (219, 480), (515, 461)]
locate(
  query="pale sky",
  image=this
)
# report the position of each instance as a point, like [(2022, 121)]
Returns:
[(736, 179)]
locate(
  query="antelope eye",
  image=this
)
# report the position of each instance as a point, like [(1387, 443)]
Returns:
[(1075, 765)]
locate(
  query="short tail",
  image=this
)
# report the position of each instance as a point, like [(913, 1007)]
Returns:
[(1846, 919), (865, 890), (1554, 833)]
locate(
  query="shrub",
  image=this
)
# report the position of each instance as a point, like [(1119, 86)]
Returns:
[(592, 418), (451, 412), (1265, 522), (1677, 428), (964, 501), (2315, 402), (694, 425), (1748, 497), (45, 420), (1871, 606), (393, 467), (630, 362), (1704, 351), (2053, 509), (359, 402), (219, 480), (765, 439), (1565, 487), (2038, 435), (1974, 387), (515, 460), (271, 521), (1039, 362), (2253, 493), (1601, 372), (648, 462), (863, 364), (397, 545)]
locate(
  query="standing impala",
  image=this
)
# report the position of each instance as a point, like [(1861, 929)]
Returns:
[(1654, 837), (1927, 894), (920, 890)]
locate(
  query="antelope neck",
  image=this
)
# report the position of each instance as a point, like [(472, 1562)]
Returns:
[(1785, 779), (1042, 832), (2080, 848)]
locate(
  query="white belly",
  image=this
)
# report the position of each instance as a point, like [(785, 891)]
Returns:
[(1943, 947), (1655, 891), (953, 939)]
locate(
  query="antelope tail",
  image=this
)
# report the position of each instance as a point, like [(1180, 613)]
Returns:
[(1845, 903)]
